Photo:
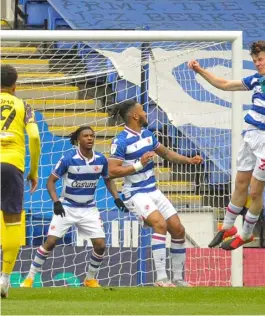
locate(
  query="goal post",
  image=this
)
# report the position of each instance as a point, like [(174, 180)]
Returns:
[(237, 120), (119, 50)]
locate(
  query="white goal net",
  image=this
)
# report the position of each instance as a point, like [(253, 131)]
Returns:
[(72, 83)]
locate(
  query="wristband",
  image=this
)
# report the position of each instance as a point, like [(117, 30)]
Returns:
[(138, 166)]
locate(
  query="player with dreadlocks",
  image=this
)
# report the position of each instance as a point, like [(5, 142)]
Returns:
[(80, 168), (132, 153)]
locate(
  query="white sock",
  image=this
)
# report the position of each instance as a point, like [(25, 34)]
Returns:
[(178, 257), (39, 259), (249, 224), (231, 214), (5, 277), (94, 265), (159, 254)]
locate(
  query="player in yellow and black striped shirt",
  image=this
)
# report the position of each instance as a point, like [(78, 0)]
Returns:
[(16, 117)]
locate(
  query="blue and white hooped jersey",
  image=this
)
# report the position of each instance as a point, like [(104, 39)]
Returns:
[(80, 177), (129, 146), (256, 115)]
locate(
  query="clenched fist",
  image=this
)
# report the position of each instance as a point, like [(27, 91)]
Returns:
[(196, 160), (147, 157), (194, 65)]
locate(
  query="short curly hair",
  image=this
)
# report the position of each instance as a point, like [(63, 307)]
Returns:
[(74, 136), (8, 76), (257, 47)]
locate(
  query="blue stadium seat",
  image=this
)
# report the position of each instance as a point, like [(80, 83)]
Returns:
[(36, 13), (94, 61), (126, 90), (55, 20)]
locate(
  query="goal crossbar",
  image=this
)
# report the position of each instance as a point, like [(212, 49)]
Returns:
[(125, 36)]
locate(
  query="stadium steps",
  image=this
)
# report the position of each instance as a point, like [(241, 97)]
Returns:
[(54, 118), (185, 200), (39, 76), (161, 173), (18, 51), (11, 44), (167, 186), (176, 186), (103, 145), (64, 104), (101, 131), (178, 196), (28, 65), (59, 103), (47, 91), (157, 160)]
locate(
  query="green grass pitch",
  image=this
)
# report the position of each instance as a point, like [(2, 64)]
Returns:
[(135, 301)]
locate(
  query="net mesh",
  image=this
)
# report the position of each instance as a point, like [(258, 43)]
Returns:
[(74, 83)]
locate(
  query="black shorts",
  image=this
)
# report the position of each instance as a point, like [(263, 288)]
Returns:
[(12, 189)]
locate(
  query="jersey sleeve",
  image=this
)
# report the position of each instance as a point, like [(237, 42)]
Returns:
[(118, 149), (105, 169), (247, 82), (61, 167), (156, 143), (29, 114)]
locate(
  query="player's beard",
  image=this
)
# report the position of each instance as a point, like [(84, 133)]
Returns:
[(143, 122)]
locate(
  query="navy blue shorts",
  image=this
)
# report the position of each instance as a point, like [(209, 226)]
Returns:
[(12, 189)]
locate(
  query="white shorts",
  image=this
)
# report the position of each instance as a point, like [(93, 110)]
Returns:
[(87, 220), (251, 155), (143, 204)]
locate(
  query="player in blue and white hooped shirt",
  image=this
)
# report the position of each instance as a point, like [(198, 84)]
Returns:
[(80, 168), (251, 157), (132, 153)]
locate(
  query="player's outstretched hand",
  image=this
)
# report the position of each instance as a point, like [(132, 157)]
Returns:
[(33, 183), (58, 208), (194, 65), (146, 157), (120, 205), (196, 160)]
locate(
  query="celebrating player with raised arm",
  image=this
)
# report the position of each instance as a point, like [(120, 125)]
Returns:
[(251, 157), (16, 117), (132, 153), (81, 169)]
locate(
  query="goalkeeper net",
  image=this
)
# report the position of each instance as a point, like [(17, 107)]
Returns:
[(71, 83)]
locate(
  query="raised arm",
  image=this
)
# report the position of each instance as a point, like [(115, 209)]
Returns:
[(176, 158), (220, 83)]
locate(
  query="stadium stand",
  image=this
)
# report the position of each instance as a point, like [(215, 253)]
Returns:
[(55, 21), (55, 124), (182, 187), (35, 13)]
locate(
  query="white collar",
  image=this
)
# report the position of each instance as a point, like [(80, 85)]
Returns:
[(132, 131), (85, 158)]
